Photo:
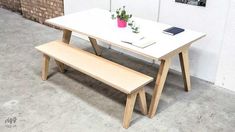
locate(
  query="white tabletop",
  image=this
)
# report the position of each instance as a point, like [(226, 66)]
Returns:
[(97, 23)]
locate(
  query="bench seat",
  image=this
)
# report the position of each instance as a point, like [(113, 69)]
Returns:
[(117, 76), (113, 74)]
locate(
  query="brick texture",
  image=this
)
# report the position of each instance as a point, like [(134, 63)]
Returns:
[(40, 10), (13, 5), (37, 10)]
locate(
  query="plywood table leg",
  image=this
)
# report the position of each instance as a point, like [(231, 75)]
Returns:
[(66, 39), (45, 66), (184, 62), (130, 102), (95, 46), (66, 36), (160, 81), (142, 101)]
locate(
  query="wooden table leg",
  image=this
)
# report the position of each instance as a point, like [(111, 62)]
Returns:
[(66, 39), (160, 81), (95, 46), (184, 62), (66, 36), (45, 66), (130, 102)]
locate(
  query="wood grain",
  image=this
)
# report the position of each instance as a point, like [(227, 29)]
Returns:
[(160, 81), (61, 66), (66, 39), (184, 62), (130, 103), (142, 101), (45, 66), (113, 74), (95, 46), (166, 46), (66, 36)]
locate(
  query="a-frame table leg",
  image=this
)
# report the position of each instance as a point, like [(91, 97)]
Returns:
[(66, 36), (95, 46), (142, 101), (160, 81), (184, 62), (66, 39)]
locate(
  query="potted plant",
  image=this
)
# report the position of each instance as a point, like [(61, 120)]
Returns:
[(122, 17)]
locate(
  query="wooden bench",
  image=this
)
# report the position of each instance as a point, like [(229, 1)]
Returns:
[(119, 77)]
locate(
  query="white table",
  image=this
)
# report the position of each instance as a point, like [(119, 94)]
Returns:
[(98, 25)]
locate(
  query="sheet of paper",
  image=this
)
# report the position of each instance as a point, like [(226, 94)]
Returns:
[(145, 42), (130, 37)]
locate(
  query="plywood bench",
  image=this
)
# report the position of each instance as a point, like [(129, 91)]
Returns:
[(119, 77)]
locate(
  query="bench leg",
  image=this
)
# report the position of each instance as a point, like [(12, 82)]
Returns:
[(160, 81), (60, 66), (95, 46), (66, 39), (184, 63), (45, 66), (130, 102), (142, 101)]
